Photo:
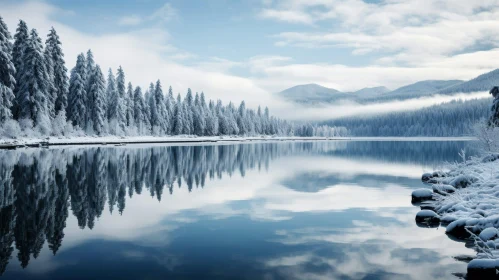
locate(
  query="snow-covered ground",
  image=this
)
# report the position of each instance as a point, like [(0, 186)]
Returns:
[(95, 140), (466, 201)]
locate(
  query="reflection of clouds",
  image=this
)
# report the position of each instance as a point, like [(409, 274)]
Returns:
[(401, 251)]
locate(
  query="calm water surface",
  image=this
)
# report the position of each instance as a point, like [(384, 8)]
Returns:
[(300, 210)]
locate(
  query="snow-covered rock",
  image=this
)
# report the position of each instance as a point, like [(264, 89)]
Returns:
[(420, 195), (488, 234), (482, 269), (427, 216)]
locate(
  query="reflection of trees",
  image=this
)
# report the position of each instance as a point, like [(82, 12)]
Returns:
[(38, 186)]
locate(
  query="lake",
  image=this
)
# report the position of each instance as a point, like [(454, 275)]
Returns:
[(273, 210)]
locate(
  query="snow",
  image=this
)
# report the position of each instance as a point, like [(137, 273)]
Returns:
[(466, 200), (488, 234)]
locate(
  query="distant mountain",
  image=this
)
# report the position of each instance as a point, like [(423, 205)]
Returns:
[(312, 93), (373, 91), (422, 88), (483, 82), (316, 94)]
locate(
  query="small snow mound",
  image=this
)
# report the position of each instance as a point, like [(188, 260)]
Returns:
[(443, 189), (463, 181), (488, 234), (490, 158), (421, 195)]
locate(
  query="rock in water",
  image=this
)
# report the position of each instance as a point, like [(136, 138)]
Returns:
[(482, 269), (427, 217), (420, 195)]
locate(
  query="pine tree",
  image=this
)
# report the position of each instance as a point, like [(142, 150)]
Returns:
[(77, 96), (179, 117), (120, 117), (20, 44), (33, 84), (129, 106), (59, 71), (112, 96), (7, 73), (51, 91), (139, 110), (162, 116), (241, 119), (97, 93)]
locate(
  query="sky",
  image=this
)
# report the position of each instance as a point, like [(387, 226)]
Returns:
[(249, 49)]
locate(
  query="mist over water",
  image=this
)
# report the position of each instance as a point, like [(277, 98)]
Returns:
[(283, 210)]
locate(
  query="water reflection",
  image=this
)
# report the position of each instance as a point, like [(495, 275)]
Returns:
[(260, 223)]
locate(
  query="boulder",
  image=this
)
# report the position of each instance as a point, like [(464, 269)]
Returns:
[(482, 269), (427, 217), (421, 195)]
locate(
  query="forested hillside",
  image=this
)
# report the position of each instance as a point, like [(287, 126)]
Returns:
[(455, 118)]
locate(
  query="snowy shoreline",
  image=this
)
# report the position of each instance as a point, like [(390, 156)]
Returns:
[(115, 140), (465, 201)]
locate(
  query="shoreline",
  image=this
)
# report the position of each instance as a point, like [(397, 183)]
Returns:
[(465, 202), (135, 140)]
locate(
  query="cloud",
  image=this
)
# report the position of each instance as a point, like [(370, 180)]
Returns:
[(340, 110), (410, 31), (289, 16), (162, 15)]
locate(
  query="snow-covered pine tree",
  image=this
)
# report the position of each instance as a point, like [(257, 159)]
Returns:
[(138, 110), (170, 109), (241, 119), (20, 44), (111, 95), (77, 95), (153, 111), (89, 69), (97, 94), (179, 117), (59, 71), (129, 106), (33, 85), (162, 114), (51, 92), (7, 73), (120, 117), (188, 118)]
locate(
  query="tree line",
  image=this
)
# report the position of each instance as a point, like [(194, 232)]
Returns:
[(455, 118), (39, 98)]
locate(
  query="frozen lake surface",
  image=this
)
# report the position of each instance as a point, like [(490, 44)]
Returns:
[(270, 210)]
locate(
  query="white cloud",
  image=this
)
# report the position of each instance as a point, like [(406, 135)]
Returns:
[(404, 31), (162, 15), (289, 16)]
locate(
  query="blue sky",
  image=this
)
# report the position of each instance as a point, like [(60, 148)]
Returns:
[(249, 49)]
